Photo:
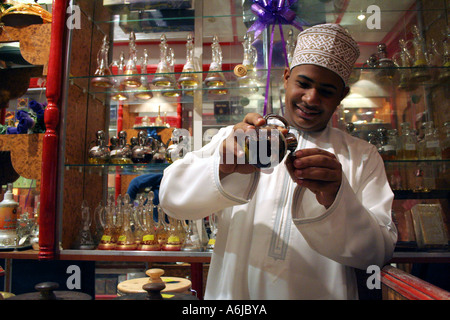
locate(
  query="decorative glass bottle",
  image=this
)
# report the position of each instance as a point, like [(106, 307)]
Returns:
[(106, 218), (126, 239), (248, 80), (143, 92), (444, 76), (149, 241), (118, 91), (143, 152), (100, 153), (432, 145), (103, 75), (212, 220), (85, 241), (290, 46), (161, 227), (192, 238), (215, 79), (162, 77), (404, 61), (189, 78), (131, 77), (408, 143), (174, 240), (420, 73), (385, 65)]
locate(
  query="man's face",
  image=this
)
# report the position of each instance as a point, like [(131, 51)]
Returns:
[(312, 95)]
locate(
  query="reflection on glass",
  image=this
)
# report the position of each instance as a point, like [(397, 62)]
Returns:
[(102, 76)]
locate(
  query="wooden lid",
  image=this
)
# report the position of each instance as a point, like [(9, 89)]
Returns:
[(173, 284)]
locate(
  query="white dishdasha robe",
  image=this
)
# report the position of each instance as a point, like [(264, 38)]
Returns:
[(275, 241)]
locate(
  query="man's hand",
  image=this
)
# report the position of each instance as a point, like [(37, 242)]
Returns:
[(319, 171), (232, 153)]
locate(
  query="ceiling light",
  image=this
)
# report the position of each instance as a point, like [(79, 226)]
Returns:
[(361, 17)]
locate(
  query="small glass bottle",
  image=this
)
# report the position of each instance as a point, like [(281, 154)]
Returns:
[(85, 241), (100, 153), (192, 240), (215, 79), (386, 65), (143, 152), (174, 241), (408, 143), (432, 146), (212, 220), (404, 61), (444, 76), (390, 148), (126, 239), (248, 81), (103, 75), (123, 155), (189, 78), (143, 92), (131, 77), (161, 227), (420, 73), (149, 241), (106, 218), (162, 76)]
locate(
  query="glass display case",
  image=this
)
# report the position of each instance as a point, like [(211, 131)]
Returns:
[(153, 74)]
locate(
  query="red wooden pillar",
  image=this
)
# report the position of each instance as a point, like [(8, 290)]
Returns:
[(47, 217), (197, 278)]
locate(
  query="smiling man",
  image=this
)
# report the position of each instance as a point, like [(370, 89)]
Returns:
[(298, 230)]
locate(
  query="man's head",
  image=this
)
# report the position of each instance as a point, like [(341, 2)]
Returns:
[(317, 81)]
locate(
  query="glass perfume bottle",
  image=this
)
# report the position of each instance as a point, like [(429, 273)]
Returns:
[(143, 152), (121, 152), (131, 77), (149, 241), (212, 220), (215, 79), (172, 91), (444, 76), (178, 148), (118, 91), (103, 75), (162, 76), (126, 239), (432, 144), (106, 218), (192, 239), (385, 65), (85, 241), (189, 78), (408, 142), (248, 81), (137, 214), (404, 61), (161, 227), (174, 241), (100, 153), (420, 73), (143, 91)]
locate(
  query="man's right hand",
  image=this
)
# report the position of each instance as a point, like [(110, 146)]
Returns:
[(232, 155)]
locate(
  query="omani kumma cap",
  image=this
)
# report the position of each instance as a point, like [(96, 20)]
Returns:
[(329, 46)]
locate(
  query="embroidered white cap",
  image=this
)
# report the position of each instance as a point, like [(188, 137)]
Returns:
[(329, 46)]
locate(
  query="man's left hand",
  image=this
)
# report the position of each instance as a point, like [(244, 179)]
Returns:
[(319, 171)]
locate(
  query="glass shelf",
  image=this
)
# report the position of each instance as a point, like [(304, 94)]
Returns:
[(123, 169)]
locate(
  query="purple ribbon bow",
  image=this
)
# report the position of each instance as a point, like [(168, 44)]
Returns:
[(272, 12)]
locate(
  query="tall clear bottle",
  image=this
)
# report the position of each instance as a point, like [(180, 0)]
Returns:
[(126, 239), (143, 92), (106, 218), (131, 74), (85, 240), (189, 77), (248, 80), (444, 76), (420, 73), (149, 241), (215, 79), (103, 75), (192, 239), (432, 144), (162, 77)]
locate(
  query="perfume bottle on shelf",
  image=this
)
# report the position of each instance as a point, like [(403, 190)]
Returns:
[(100, 153), (106, 218), (85, 241), (172, 91), (162, 77), (149, 241), (161, 227), (131, 77), (189, 78), (143, 91), (248, 80), (118, 90), (126, 239), (404, 61), (103, 75), (142, 152), (420, 73), (385, 65), (136, 215), (121, 152), (174, 241), (212, 220), (444, 75), (215, 79), (178, 148), (432, 146), (408, 143), (192, 238)]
